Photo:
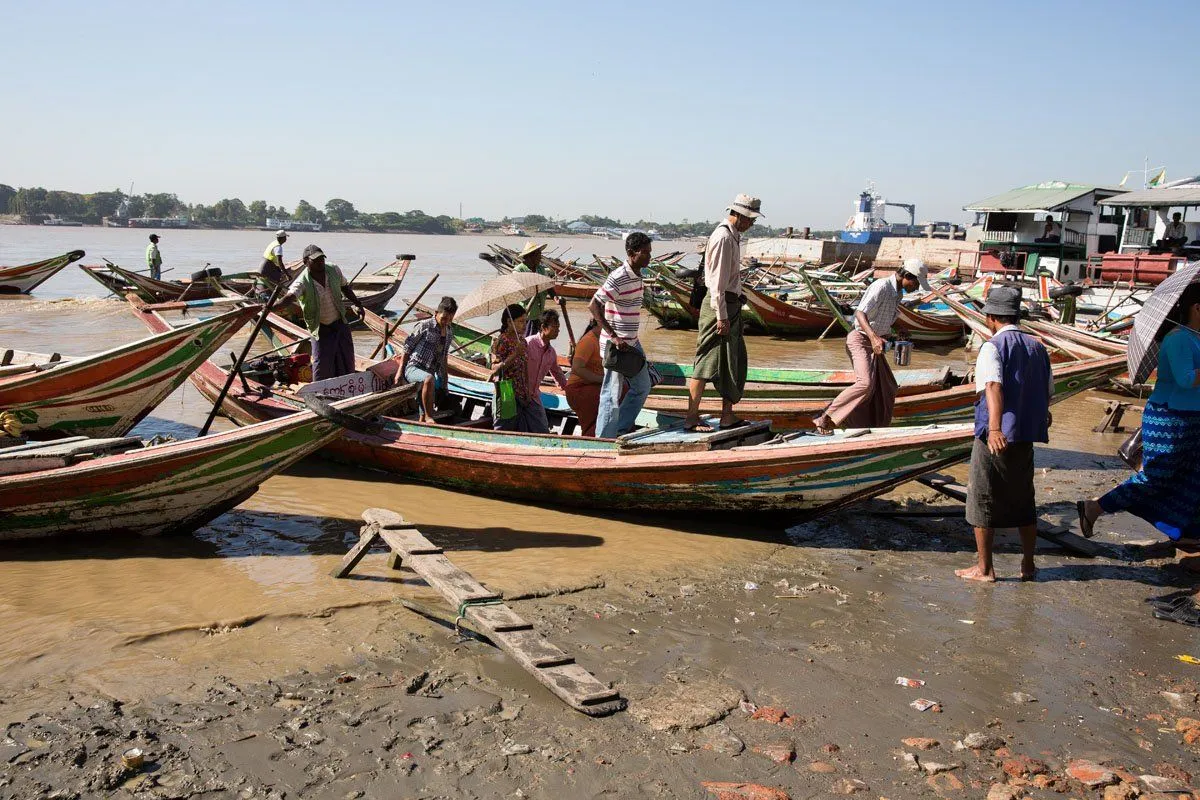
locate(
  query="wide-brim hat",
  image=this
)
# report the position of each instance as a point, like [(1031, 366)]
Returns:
[(1003, 301), (747, 206), (530, 248), (919, 270)]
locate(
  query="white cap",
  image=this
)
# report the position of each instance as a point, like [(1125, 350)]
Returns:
[(281, 232), (916, 267)]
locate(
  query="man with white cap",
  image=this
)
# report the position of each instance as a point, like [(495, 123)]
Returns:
[(530, 259), (868, 402), (272, 270), (720, 344)]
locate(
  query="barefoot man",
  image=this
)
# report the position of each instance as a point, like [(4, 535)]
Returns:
[(427, 354), (720, 344), (1012, 411)]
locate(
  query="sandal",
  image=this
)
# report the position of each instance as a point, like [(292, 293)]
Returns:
[(735, 424), (699, 427), (1086, 527), (1186, 614)]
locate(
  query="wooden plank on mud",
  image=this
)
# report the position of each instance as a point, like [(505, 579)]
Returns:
[(485, 611), (1057, 534)]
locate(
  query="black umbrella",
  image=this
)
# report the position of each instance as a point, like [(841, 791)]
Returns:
[(1142, 357)]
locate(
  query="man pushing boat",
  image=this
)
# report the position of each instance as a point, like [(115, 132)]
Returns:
[(720, 343)]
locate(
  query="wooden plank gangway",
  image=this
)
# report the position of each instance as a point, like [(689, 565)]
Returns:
[(485, 611)]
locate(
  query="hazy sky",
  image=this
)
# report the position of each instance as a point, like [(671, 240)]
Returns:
[(655, 110)]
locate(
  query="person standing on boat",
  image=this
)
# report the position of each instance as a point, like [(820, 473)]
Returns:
[(1012, 411), (585, 380), (617, 309), (272, 270), (720, 343), (427, 353), (320, 289), (154, 258), (530, 260), (541, 359), (868, 402)]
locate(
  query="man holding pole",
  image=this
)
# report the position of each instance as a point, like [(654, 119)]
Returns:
[(720, 344), (320, 289)]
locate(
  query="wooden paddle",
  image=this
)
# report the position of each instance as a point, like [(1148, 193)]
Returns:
[(562, 303), (237, 365), (387, 335)]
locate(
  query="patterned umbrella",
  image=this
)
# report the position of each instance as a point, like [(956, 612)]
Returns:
[(1143, 341), (499, 292)]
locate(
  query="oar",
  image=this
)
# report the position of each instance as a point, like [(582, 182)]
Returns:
[(360, 269), (237, 365), (473, 341), (387, 334), (562, 302)]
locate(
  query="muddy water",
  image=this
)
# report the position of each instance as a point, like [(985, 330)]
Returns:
[(128, 616)]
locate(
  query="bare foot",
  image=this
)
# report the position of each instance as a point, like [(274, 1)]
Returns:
[(696, 426), (976, 574), (1029, 574)]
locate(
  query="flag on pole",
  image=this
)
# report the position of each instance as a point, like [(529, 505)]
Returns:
[(1159, 178)]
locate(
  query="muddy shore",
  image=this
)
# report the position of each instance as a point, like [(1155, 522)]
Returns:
[(775, 667)]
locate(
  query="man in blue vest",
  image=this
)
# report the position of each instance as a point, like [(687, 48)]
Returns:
[(320, 288), (1012, 411)]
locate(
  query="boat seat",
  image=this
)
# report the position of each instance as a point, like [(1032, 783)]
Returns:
[(674, 439), (38, 456)]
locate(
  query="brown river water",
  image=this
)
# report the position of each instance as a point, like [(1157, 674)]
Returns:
[(127, 613)]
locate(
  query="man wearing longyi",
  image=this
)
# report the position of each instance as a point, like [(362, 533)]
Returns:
[(720, 343), (320, 289)]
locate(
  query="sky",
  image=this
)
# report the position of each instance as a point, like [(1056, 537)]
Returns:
[(659, 111)]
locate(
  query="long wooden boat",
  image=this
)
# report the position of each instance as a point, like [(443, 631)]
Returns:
[(761, 382), (929, 328), (120, 280), (165, 488), (660, 470), (106, 394), (779, 317), (27, 277), (945, 406)]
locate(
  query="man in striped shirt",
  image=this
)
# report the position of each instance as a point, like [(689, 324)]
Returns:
[(617, 308)]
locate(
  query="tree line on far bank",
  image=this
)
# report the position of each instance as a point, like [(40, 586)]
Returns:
[(34, 204)]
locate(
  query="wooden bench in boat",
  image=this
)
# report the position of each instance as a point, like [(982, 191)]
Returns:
[(674, 439), (485, 611), (37, 456)]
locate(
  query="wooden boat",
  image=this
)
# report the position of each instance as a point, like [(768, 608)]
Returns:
[(120, 281), (929, 328), (59, 488), (27, 277), (761, 382), (945, 406), (661, 470), (781, 318), (106, 394)]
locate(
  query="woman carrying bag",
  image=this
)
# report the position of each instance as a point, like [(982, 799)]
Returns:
[(509, 371)]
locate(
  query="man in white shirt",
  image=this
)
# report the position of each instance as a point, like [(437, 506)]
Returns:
[(868, 402), (720, 344)]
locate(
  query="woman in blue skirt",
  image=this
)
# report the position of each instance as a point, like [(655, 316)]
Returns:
[(1166, 491)]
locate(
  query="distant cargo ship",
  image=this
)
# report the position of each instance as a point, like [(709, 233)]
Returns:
[(62, 223)]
